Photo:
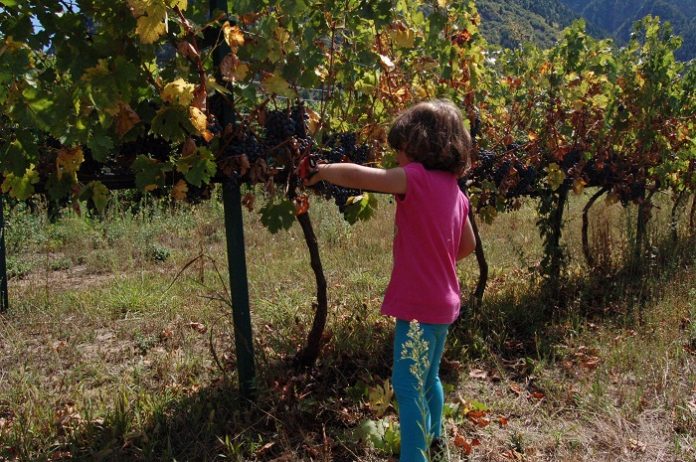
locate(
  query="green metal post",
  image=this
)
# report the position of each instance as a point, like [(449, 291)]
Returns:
[(4, 298), (236, 257)]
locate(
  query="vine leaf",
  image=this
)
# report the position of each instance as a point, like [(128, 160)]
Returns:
[(14, 159), (21, 187), (275, 84), (152, 19), (555, 176), (278, 216), (360, 207), (126, 118), (100, 145), (149, 173), (69, 161), (178, 92), (97, 193), (198, 119), (171, 123), (180, 190), (233, 35), (198, 167)]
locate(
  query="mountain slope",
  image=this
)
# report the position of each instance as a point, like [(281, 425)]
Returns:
[(617, 18), (514, 22)]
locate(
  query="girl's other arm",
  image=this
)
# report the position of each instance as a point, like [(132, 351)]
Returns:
[(467, 243), (391, 181)]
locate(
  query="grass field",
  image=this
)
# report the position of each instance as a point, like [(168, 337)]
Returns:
[(111, 352)]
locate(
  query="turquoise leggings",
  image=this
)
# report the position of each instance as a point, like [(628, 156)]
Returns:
[(420, 409)]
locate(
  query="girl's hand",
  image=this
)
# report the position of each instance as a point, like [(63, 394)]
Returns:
[(307, 170), (314, 176)]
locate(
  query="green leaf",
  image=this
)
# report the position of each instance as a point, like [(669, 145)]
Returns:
[(149, 173), (100, 145), (97, 193), (172, 123), (278, 216), (360, 207), (275, 84), (21, 187), (199, 167), (58, 188), (15, 159)]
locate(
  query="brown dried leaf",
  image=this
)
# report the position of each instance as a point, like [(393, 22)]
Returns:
[(478, 374), (126, 118), (636, 446), (180, 190), (463, 444), (198, 327), (187, 50), (248, 201)]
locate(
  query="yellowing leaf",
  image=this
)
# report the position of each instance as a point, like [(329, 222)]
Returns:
[(313, 121), (21, 187), (233, 35), (68, 161), (198, 119), (178, 92), (100, 70), (100, 194), (153, 23), (579, 185), (241, 72), (274, 83), (179, 190), (181, 4), (403, 38), (555, 176), (442, 3), (232, 69)]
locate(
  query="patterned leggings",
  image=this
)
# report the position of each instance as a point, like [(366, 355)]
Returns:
[(420, 401)]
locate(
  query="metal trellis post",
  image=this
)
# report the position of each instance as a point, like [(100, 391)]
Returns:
[(236, 257)]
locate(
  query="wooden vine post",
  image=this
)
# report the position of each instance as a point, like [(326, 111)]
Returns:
[(236, 257), (4, 298)]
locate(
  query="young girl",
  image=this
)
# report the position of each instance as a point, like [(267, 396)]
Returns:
[(431, 233)]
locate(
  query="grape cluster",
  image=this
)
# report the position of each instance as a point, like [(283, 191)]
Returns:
[(339, 194), (245, 143), (299, 117), (278, 127), (506, 169)]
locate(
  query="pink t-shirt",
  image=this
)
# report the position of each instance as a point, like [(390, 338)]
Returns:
[(428, 227)]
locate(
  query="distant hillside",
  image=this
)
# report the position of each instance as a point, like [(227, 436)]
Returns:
[(514, 22), (616, 18)]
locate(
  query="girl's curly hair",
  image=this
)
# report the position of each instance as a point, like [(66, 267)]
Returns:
[(433, 133)]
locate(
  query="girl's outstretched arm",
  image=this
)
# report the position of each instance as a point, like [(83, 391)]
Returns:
[(391, 181)]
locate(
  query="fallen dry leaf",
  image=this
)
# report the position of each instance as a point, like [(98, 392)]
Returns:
[(463, 444), (59, 345), (537, 395), (198, 327), (478, 374), (516, 389), (636, 446)]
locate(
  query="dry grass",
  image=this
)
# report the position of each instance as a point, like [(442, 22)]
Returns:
[(101, 359)]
